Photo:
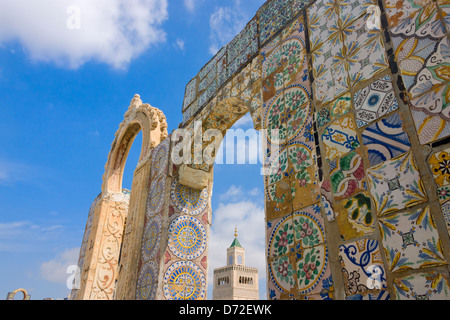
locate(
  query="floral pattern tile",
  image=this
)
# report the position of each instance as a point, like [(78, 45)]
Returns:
[(385, 139), (279, 199), (440, 167), (340, 137), (411, 240), (396, 184), (362, 267), (422, 286), (308, 227), (280, 234), (282, 277), (311, 267), (305, 188), (374, 101)]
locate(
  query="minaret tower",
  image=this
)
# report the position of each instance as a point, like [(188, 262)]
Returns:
[(236, 281)]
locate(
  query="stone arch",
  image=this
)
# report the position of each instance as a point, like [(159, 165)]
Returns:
[(139, 117), (11, 295), (117, 212)]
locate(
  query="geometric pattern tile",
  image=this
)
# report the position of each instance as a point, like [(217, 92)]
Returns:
[(411, 240), (422, 286), (375, 101), (396, 184), (385, 139)]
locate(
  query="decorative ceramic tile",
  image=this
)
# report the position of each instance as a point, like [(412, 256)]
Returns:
[(396, 184), (281, 274), (398, 10), (364, 53), (187, 237), (341, 106), (311, 267), (278, 169), (430, 128), (385, 139), (155, 200), (190, 93), (375, 101), (160, 158), (340, 137), (362, 267), (440, 167), (355, 217), (188, 200), (151, 238), (308, 227), (411, 240), (305, 188), (382, 295), (422, 286), (300, 157), (279, 199), (184, 280), (444, 200), (147, 283), (280, 235), (347, 175), (275, 120), (323, 116), (326, 200), (324, 289), (420, 50)]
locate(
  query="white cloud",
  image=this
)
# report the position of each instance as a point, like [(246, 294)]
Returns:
[(190, 5), (70, 33), (26, 235), (249, 219), (56, 269), (225, 24), (179, 44)]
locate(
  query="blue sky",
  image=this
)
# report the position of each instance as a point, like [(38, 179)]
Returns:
[(63, 93)]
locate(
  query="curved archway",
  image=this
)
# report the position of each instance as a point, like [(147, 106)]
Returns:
[(117, 212), (12, 295)]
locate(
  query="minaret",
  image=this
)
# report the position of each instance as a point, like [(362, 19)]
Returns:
[(236, 281)]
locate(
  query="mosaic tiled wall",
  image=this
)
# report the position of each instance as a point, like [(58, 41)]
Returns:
[(358, 90)]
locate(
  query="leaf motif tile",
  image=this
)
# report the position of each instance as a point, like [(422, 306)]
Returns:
[(362, 267), (355, 217), (396, 184), (422, 286), (308, 227), (311, 267), (385, 139), (411, 240), (280, 235), (374, 101)]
